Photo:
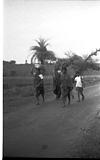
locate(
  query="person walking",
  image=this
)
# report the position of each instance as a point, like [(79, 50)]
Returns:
[(57, 84), (38, 85), (79, 86), (66, 86)]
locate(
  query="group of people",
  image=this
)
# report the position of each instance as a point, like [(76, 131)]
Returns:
[(63, 85)]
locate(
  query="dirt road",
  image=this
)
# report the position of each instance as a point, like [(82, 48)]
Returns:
[(49, 130)]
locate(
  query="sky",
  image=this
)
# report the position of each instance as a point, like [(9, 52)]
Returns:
[(67, 25)]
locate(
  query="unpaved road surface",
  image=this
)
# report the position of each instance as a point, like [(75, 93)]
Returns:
[(49, 130)]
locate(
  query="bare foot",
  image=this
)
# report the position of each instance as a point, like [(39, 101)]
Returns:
[(72, 96), (83, 98)]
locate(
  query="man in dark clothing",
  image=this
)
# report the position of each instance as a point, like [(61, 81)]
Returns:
[(66, 85), (57, 84)]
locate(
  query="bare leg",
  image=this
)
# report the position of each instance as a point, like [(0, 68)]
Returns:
[(37, 100), (78, 96), (72, 95), (42, 97), (82, 95), (64, 101), (69, 97)]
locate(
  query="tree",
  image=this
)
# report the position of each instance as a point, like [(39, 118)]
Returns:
[(80, 64), (41, 52), (88, 61), (73, 60)]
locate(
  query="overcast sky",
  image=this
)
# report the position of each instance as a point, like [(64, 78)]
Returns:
[(66, 25)]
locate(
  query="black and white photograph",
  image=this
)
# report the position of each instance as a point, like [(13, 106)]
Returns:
[(51, 79)]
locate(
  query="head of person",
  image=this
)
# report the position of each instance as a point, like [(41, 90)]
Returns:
[(77, 74), (64, 70)]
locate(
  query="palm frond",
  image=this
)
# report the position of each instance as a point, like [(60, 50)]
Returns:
[(33, 57), (42, 42), (35, 48)]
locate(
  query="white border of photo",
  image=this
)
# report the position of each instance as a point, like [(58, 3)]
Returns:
[(1, 79)]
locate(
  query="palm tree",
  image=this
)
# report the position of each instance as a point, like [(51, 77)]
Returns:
[(41, 52)]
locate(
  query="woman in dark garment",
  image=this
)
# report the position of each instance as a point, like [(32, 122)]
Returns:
[(66, 85), (57, 84)]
